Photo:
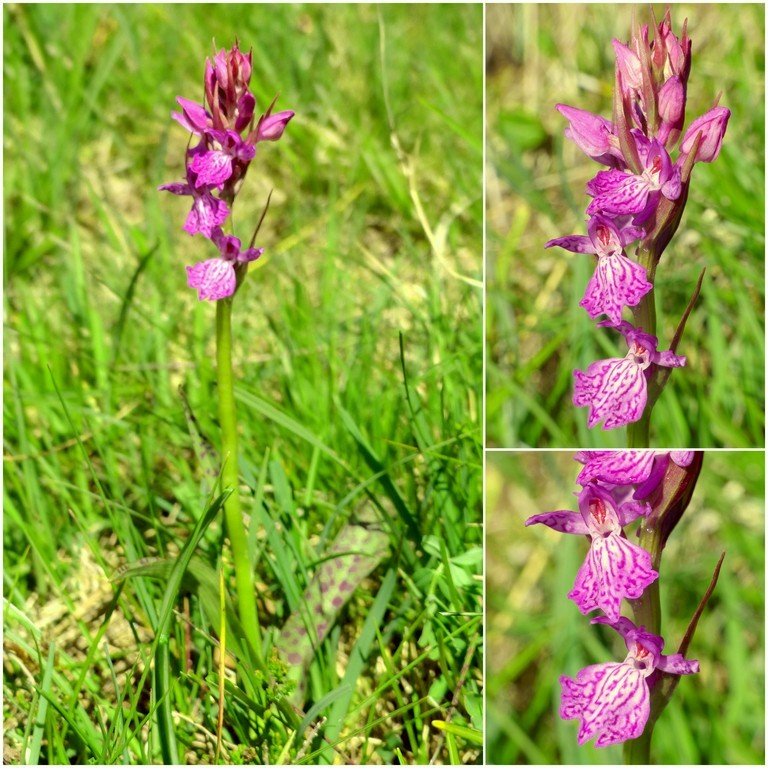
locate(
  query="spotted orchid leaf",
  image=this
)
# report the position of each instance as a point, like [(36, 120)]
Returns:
[(356, 551)]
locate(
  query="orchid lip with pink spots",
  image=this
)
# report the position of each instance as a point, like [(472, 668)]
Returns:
[(618, 192), (614, 568), (207, 213), (616, 389), (216, 278), (612, 700), (618, 281), (214, 166)]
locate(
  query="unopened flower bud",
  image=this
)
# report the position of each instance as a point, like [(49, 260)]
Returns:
[(712, 127), (672, 496), (672, 100), (671, 109), (592, 134), (678, 51), (629, 66), (193, 117), (271, 127)]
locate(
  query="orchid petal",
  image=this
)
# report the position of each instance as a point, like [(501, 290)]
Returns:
[(564, 521), (614, 569), (611, 700), (215, 279)]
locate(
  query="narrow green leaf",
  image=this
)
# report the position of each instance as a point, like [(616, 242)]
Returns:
[(383, 475), (470, 734), (163, 683), (42, 708)]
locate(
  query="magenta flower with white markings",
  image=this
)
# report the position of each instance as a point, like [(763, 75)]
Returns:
[(615, 467), (616, 389), (622, 193), (214, 165), (207, 213), (216, 278), (615, 568), (612, 700), (618, 281)]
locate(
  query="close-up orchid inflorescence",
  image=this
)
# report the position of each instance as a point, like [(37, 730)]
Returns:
[(228, 133), (635, 208), (619, 702)]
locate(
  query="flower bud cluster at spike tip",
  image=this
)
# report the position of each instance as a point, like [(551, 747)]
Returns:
[(216, 165), (639, 199), (613, 700)]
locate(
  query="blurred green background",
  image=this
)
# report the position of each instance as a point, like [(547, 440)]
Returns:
[(541, 55), (371, 280), (535, 633)]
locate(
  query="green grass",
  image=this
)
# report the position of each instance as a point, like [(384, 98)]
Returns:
[(535, 634), (537, 334), (358, 357)]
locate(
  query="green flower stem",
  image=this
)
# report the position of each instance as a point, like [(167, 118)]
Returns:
[(233, 514), (647, 609), (639, 432), (638, 751), (647, 613), (644, 314)]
